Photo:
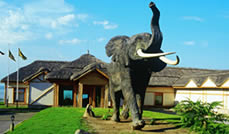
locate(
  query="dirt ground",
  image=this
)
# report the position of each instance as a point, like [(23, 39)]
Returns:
[(100, 126)]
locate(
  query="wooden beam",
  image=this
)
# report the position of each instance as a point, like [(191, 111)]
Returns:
[(57, 94), (74, 96), (54, 96), (80, 94), (5, 95), (106, 96), (94, 95), (102, 96)]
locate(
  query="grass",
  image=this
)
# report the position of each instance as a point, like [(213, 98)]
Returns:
[(3, 106), (67, 120), (53, 121)]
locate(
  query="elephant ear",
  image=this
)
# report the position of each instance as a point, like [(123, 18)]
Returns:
[(117, 48)]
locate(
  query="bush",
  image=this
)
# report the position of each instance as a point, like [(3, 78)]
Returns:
[(202, 117)]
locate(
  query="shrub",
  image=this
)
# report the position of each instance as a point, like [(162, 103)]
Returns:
[(202, 117)]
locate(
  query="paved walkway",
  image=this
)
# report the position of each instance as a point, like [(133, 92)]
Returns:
[(5, 119)]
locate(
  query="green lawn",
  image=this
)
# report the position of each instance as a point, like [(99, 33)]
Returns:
[(66, 120), (3, 106)]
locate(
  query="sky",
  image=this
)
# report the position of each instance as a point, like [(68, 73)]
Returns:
[(63, 30)]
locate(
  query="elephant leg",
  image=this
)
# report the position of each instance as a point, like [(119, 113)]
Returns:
[(140, 101), (129, 95), (116, 104), (125, 111)]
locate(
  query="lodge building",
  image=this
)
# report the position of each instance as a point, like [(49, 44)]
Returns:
[(85, 80)]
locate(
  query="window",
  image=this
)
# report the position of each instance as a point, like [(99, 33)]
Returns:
[(21, 95), (158, 99)]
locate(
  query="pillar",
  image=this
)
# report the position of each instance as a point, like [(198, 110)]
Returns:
[(102, 97), (74, 96), (94, 97), (80, 94), (106, 96)]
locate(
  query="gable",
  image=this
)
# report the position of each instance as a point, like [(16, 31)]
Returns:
[(39, 78), (94, 78), (226, 84), (208, 83), (191, 84)]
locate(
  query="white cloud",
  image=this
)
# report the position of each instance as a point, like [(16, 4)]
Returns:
[(102, 39), (66, 19), (114, 26), (73, 41), (33, 18), (82, 17), (14, 28), (63, 20), (189, 43), (193, 18), (48, 36), (46, 7), (106, 24)]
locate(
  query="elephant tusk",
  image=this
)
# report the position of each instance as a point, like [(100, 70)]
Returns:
[(152, 55), (168, 61)]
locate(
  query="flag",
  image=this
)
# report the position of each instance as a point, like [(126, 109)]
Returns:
[(2, 53), (11, 56), (21, 54)]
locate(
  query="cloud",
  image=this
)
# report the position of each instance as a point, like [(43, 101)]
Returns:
[(106, 24), (48, 36), (189, 43), (193, 18), (63, 20), (102, 39), (82, 17), (36, 19), (46, 7), (14, 28), (66, 19), (73, 41)]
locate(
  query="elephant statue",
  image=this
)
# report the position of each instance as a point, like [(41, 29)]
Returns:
[(134, 59)]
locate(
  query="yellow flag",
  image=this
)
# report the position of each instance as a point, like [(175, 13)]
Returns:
[(11, 56), (21, 54)]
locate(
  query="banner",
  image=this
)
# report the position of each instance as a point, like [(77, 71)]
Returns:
[(21, 54), (2, 53), (11, 56)]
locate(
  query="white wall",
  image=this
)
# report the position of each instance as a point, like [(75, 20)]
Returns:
[(10, 95), (37, 89), (11, 91), (46, 99), (205, 95)]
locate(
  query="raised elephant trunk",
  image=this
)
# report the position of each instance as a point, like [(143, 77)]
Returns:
[(155, 42)]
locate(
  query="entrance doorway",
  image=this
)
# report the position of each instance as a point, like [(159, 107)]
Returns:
[(158, 99), (91, 95), (65, 95)]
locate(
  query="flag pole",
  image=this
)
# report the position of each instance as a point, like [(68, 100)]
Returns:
[(8, 78), (17, 79)]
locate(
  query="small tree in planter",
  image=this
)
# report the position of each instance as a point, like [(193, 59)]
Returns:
[(202, 117)]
